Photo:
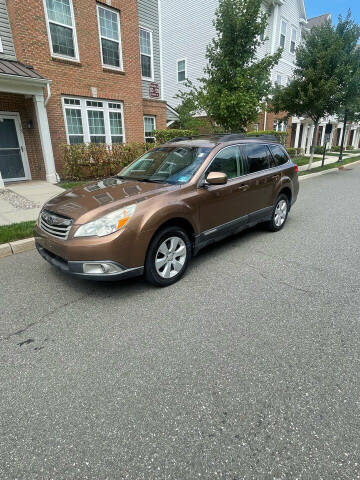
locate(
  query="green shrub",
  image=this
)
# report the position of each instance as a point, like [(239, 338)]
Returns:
[(319, 150), (163, 136), (335, 148), (97, 160), (281, 136), (349, 147)]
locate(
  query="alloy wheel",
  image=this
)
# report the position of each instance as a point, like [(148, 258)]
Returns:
[(280, 213), (170, 257)]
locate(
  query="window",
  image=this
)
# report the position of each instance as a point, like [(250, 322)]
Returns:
[(93, 121), (110, 39), (61, 28), (146, 54), (257, 158), (149, 127), (256, 127), (174, 165), (278, 80), (293, 40), (181, 70), (279, 155), (227, 161), (283, 33)]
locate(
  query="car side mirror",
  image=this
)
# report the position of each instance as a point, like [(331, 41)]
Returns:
[(216, 178)]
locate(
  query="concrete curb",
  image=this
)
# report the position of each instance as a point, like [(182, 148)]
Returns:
[(324, 172), (12, 248)]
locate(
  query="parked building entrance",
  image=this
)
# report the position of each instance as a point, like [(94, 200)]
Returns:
[(13, 159)]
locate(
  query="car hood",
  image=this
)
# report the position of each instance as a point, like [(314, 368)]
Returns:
[(93, 199)]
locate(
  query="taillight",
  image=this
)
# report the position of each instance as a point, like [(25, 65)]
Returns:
[(296, 168)]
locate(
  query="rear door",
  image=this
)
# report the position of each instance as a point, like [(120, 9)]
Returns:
[(261, 180)]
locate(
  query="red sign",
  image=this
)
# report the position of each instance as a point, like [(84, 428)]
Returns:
[(154, 90)]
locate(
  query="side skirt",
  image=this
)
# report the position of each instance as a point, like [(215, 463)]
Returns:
[(231, 228)]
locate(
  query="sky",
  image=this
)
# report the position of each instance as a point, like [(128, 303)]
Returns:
[(318, 7)]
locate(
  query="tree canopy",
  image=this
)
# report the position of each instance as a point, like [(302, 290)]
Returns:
[(235, 80)]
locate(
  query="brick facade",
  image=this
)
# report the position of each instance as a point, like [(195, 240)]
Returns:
[(27, 18)]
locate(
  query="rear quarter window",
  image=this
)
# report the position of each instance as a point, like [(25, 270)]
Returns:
[(257, 156), (279, 155)]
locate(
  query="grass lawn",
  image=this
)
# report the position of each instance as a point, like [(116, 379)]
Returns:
[(16, 231), (346, 161), (301, 160), (67, 185)]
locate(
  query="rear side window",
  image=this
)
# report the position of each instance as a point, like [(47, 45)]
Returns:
[(257, 157), (279, 155), (226, 161)]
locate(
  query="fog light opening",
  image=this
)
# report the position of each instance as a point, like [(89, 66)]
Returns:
[(101, 268)]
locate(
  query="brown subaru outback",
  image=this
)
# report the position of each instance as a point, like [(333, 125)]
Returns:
[(163, 208)]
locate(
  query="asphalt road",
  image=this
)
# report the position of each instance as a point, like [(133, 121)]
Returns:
[(249, 368)]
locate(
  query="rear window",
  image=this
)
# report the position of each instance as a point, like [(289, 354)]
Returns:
[(257, 157), (279, 155)]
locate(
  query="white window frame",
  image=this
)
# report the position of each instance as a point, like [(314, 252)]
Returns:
[(76, 58), (120, 68), (1, 46), (293, 29), (278, 76), (177, 69), (85, 119), (154, 118), (149, 79), (283, 22)]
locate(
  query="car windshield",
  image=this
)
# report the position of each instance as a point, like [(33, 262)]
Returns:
[(175, 165)]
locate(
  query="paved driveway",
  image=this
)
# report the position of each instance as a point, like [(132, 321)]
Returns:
[(247, 369)]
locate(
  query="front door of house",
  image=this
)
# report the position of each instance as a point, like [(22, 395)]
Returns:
[(13, 162)]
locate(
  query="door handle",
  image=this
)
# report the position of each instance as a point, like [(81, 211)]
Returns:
[(243, 188)]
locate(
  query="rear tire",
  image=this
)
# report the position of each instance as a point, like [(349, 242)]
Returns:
[(279, 214), (168, 256)]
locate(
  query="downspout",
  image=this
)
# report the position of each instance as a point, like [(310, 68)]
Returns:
[(265, 116), (48, 94)]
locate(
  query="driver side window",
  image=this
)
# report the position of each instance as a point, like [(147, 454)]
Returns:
[(226, 161)]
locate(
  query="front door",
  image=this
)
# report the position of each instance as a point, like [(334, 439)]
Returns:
[(223, 207), (13, 162)]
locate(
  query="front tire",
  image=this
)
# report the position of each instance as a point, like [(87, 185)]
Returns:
[(168, 256), (279, 214)]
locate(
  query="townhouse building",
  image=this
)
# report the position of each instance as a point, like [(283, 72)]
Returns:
[(74, 71), (185, 38)]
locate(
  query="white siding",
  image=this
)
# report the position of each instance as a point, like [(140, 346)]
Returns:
[(149, 18), (5, 34), (187, 35)]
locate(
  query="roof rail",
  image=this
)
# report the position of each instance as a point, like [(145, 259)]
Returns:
[(178, 139), (270, 138)]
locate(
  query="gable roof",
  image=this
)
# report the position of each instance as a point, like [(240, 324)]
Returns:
[(319, 20)]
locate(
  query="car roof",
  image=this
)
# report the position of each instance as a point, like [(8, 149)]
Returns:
[(212, 140)]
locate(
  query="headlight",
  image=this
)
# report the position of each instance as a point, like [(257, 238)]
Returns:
[(110, 223)]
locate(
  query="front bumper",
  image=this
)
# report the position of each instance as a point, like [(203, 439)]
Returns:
[(76, 268)]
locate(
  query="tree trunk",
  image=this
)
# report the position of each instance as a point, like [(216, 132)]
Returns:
[(312, 148)]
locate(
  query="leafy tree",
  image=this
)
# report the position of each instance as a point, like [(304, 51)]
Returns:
[(324, 80), (314, 89), (348, 73), (235, 81)]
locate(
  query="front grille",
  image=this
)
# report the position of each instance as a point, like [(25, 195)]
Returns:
[(55, 225)]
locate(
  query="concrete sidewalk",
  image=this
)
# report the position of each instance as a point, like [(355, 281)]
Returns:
[(328, 159), (21, 202)]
